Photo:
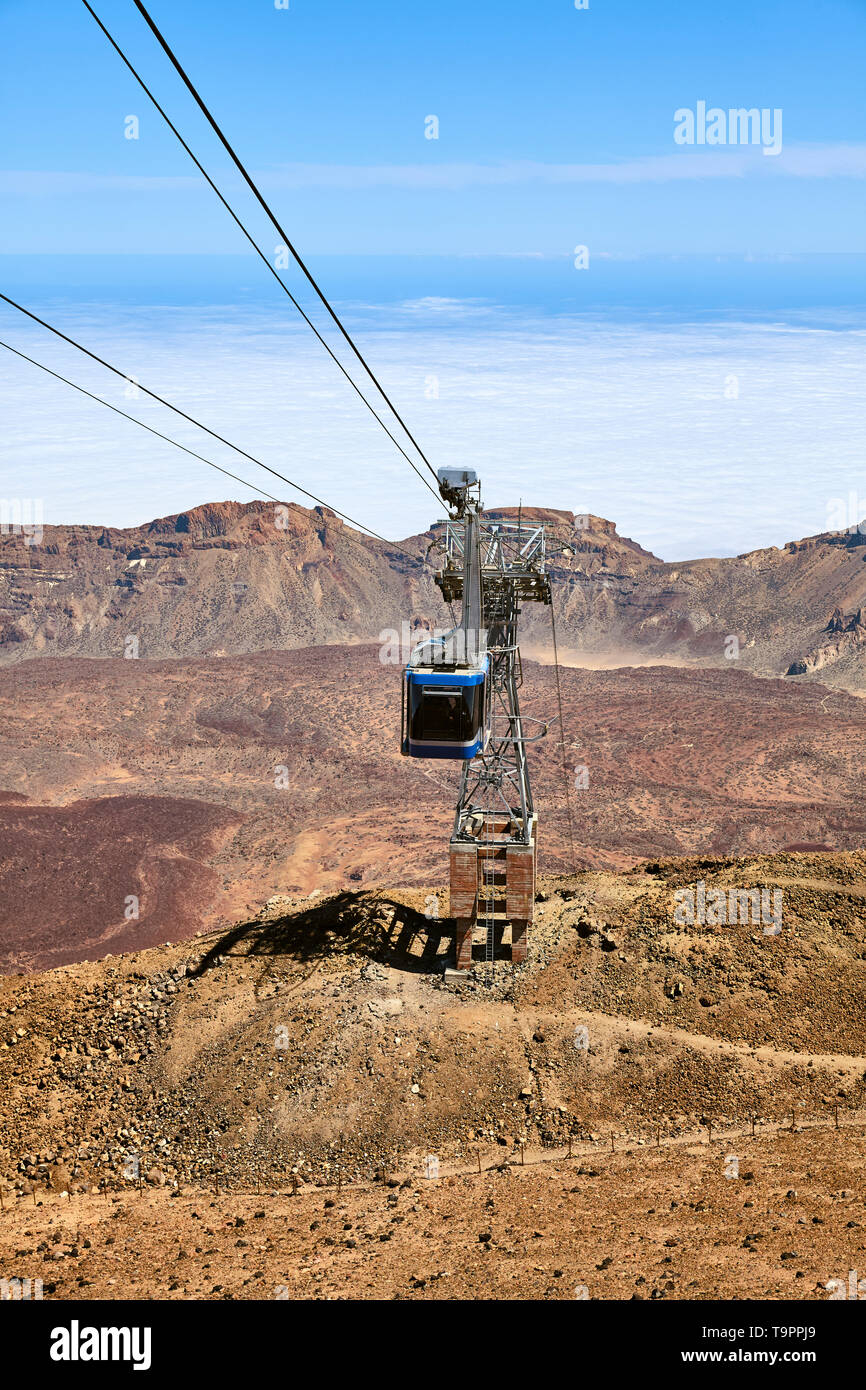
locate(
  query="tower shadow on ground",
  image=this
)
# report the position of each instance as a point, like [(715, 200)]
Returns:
[(347, 924)]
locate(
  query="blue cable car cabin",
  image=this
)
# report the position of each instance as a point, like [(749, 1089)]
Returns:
[(445, 711)]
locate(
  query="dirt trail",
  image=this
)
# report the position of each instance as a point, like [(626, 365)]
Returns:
[(700, 1042), (303, 864), (532, 1155)]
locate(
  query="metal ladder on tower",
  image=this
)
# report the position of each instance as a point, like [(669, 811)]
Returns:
[(485, 861)]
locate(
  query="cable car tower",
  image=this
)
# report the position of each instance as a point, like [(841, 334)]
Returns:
[(460, 693), (460, 700)]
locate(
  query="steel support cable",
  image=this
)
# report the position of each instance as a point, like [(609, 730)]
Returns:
[(562, 739), (233, 215), (166, 48), (254, 487), (136, 421), (191, 418)]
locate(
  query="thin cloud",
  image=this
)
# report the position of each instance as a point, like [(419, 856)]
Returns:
[(24, 183), (818, 161), (798, 161)]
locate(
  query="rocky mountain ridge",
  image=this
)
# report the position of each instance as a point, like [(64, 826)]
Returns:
[(230, 578)]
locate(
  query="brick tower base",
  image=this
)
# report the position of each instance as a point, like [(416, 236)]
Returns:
[(509, 870)]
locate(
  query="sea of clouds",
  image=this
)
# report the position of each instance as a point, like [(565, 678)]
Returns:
[(696, 437)]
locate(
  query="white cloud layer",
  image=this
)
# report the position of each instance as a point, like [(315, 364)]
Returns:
[(806, 161), (696, 439)]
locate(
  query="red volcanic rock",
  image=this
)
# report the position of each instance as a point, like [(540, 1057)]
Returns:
[(106, 875)]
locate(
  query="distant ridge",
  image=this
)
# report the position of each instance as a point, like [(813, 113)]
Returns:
[(232, 578)]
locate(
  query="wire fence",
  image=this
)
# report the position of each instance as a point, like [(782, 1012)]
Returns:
[(287, 1179)]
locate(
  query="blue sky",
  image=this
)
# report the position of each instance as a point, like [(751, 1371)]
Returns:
[(555, 125), (606, 389)]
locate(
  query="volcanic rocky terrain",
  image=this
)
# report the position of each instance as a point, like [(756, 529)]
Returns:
[(234, 578), (143, 800), (304, 1106), (231, 1062)]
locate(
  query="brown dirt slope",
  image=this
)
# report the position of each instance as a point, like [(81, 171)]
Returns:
[(262, 1045), (321, 1039), (640, 1223)]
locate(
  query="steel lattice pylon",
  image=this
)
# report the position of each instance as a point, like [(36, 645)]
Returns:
[(494, 835)]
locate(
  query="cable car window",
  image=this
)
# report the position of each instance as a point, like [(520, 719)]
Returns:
[(437, 713), (445, 713), (473, 696)]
